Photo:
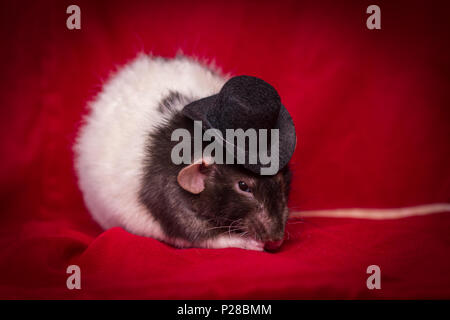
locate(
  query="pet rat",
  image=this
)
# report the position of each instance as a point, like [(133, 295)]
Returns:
[(124, 168)]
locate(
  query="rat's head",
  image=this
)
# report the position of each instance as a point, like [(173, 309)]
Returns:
[(233, 200)]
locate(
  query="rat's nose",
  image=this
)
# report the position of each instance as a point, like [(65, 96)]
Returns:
[(272, 246)]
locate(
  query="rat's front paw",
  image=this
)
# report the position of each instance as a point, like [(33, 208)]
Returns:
[(233, 242)]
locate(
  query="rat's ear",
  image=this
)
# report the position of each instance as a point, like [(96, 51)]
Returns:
[(191, 178)]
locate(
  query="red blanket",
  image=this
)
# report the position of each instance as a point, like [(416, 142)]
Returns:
[(372, 113)]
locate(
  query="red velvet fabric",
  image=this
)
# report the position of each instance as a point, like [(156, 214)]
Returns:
[(372, 112)]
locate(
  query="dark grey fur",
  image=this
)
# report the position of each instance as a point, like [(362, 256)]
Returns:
[(167, 104)]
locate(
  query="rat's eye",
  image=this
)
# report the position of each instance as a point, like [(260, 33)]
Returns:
[(244, 187)]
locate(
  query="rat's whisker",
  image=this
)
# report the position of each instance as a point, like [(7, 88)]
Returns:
[(219, 227), (295, 222)]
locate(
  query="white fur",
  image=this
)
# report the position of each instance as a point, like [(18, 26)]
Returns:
[(110, 147)]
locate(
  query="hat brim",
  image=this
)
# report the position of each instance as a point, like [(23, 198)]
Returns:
[(200, 110)]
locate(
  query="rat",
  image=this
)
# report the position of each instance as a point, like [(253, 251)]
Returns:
[(125, 173)]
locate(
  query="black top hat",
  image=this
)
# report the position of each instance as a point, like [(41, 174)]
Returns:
[(247, 102)]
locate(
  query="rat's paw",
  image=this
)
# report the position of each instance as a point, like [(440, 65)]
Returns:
[(232, 242)]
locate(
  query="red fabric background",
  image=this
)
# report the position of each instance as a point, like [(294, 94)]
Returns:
[(372, 112)]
